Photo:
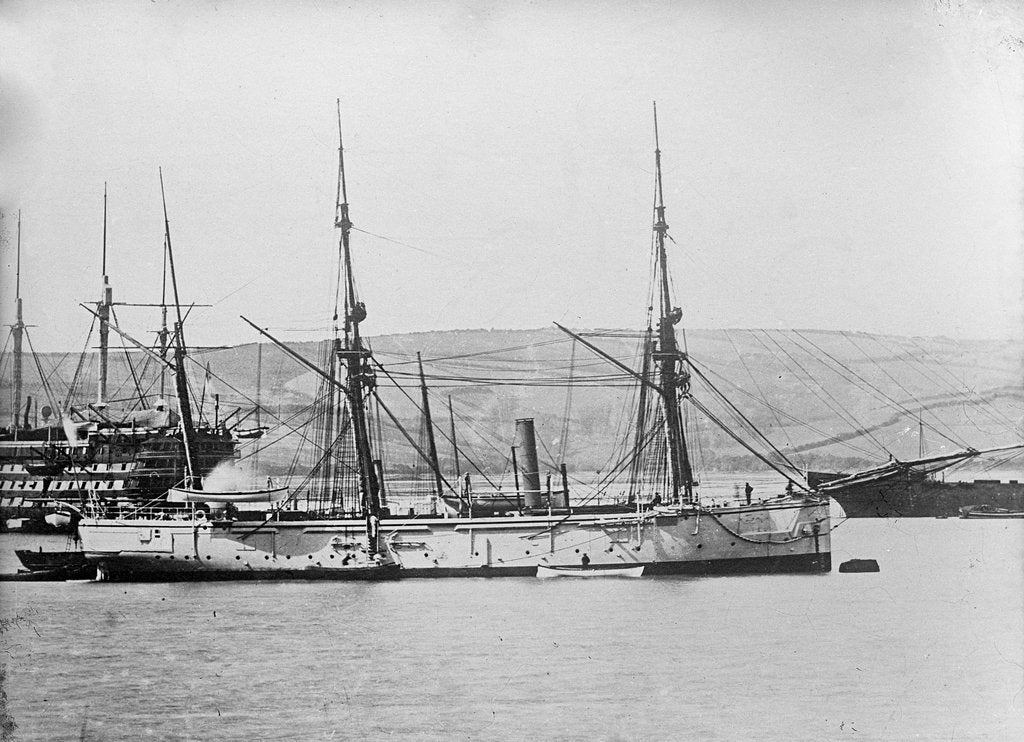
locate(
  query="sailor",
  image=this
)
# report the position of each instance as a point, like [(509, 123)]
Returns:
[(789, 488), (748, 490), (585, 561)]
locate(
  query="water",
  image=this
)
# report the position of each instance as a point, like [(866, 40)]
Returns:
[(932, 647)]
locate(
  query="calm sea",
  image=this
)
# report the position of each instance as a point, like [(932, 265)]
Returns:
[(930, 648)]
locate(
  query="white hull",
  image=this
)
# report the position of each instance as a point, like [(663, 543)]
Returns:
[(791, 535)]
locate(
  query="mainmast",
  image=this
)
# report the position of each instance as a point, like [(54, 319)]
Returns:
[(18, 331), (192, 480), (359, 376), (103, 310), (673, 374)]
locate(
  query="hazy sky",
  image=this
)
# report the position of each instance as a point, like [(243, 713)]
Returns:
[(835, 165)]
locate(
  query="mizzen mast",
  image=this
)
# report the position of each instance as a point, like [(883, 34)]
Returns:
[(674, 377), (350, 351)]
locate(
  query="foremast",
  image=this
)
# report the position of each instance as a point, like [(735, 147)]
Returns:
[(352, 353), (673, 373), (17, 333), (103, 312)]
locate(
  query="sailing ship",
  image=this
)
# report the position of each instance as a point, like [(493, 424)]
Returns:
[(671, 532), (911, 488), (95, 450), (906, 489)]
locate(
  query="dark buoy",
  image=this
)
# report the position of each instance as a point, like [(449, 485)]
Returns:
[(859, 565)]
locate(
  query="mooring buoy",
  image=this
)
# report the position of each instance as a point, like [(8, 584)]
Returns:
[(859, 565)]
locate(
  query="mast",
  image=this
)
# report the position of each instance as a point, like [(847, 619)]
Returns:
[(455, 445), (192, 479), (673, 375), (18, 331), (163, 333), (641, 417), (259, 390), (431, 443), (359, 376), (103, 310)]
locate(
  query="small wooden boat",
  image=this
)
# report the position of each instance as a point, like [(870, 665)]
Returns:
[(265, 496), (613, 570), (69, 564), (989, 511), (58, 519)]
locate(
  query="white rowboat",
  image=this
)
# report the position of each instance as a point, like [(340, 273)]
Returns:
[(626, 570), (267, 496)]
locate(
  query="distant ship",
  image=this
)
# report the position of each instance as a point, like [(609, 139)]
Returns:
[(910, 490), (94, 451)]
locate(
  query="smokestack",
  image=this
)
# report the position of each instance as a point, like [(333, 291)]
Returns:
[(528, 467)]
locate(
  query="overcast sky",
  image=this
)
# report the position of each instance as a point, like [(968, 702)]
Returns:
[(849, 165)]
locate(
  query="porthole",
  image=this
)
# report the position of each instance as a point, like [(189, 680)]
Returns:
[(700, 546), (208, 557), (527, 551), (238, 557)]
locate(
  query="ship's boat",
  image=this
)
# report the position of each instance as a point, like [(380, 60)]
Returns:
[(989, 511), (67, 564), (270, 496), (545, 572), (663, 527)]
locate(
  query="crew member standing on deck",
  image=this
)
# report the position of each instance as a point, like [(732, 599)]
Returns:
[(749, 491)]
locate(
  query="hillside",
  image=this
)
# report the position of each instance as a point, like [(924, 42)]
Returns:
[(965, 392)]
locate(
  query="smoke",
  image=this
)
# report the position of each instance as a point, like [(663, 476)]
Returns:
[(227, 476)]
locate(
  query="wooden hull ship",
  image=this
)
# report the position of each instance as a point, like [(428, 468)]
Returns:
[(92, 451)]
